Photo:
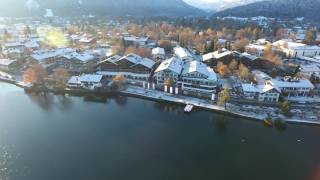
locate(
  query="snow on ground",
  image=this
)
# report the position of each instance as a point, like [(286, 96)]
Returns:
[(255, 112)]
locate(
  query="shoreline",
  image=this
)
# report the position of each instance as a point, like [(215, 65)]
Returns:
[(141, 93)]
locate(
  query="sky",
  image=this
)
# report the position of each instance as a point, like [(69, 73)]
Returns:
[(218, 4)]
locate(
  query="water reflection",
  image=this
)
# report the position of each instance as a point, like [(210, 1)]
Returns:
[(95, 98), (121, 100), (220, 123), (167, 107), (44, 101), (280, 125), (65, 102), (47, 101)]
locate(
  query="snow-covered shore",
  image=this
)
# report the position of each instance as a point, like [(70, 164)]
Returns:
[(205, 104)]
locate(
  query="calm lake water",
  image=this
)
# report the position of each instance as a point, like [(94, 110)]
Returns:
[(68, 138)]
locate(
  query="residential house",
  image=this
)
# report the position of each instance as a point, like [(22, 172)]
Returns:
[(260, 77), (261, 92), (14, 50), (213, 58), (292, 86), (256, 49), (310, 70), (158, 53), (87, 81), (8, 65), (294, 49), (135, 41)]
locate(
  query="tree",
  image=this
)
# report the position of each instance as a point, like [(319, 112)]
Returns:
[(224, 97), (310, 37), (280, 33), (28, 76), (271, 56), (268, 50), (241, 44), (37, 75), (131, 50), (244, 72), (61, 77), (165, 44), (135, 30), (169, 82), (118, 82), (274, 73), (286, 107), (223, 69), (186, 37), (144, 52), (233, 66), (118, 46), (256, 33)]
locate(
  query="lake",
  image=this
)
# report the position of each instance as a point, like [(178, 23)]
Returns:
[(65, 138)]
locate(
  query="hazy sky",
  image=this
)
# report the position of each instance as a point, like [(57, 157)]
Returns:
[(210, 1), (218, 4)]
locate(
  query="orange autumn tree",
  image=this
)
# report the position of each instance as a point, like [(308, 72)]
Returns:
[(37, 74), (29, 76), (223, 69)]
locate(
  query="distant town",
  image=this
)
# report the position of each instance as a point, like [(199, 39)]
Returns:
[(261, 68)]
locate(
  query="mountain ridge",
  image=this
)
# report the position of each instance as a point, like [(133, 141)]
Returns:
[(99, 7), (276, 9)]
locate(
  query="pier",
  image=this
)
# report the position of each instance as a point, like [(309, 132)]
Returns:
[(188, 108)]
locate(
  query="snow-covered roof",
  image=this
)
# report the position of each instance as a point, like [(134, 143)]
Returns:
[(45, 54), (216, 55), (261, 77), (6, 62), (86, 39), (74, 80), (315, 59), (12, 44), (199, 67), (256, 46), (246, 55), (135, 59), (32, 44), (113, 59), (84, 57), (182, 53), (158, 50), (302, 83), (312, 68), (75, 37), (288, 42), (95, 78), (147, 62), (294, 45), (173, 64), (262, 88), (134, 38)]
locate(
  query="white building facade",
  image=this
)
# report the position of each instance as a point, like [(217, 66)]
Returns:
[(198, 79)]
